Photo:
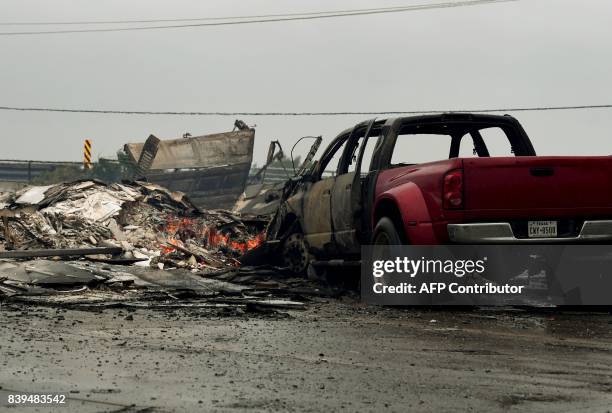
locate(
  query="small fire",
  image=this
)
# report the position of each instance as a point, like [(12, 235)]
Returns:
[(216, 239), (175, 242), (177, 229), (185, 226), (249, 244), (167, 248)]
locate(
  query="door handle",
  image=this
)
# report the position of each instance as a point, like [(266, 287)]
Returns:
[(348, 186), (326, 192), (542, 171)]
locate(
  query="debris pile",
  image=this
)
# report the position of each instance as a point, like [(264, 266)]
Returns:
[(83, 284), (153, 249), (152, 225)]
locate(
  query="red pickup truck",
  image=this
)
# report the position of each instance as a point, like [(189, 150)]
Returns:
[(440, 179)]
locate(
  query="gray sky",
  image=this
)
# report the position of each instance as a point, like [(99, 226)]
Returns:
[(524, 53)]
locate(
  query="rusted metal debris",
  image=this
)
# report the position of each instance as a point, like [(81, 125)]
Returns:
[(211, 169)]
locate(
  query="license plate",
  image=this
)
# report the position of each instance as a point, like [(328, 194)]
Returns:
[(542, 229)]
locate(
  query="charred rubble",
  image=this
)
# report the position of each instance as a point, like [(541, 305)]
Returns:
[(88, 244), (150, 224)]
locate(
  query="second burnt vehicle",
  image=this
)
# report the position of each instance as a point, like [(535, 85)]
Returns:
[(439, 179)]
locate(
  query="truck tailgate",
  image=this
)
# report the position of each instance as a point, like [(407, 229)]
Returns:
[(538, 186)]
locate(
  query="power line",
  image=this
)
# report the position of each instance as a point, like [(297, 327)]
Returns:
[(256, 16), (276, 19), (388, 112)]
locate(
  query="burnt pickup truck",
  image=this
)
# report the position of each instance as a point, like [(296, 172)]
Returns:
[(439, 179)]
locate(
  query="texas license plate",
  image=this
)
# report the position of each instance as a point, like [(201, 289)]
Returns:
[(542, 229)]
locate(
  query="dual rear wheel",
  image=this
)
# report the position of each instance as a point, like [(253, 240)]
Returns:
[(385, 233)]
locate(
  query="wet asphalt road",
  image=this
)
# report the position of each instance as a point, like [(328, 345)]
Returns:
[(335, 356)]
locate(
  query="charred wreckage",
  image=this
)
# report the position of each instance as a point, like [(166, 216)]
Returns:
[(140, 243), (379, 183), (369, 186)]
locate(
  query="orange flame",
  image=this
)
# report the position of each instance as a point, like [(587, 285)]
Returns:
[(216, 239), (176, 225), (166, 249), (176, 229), (248, 244)]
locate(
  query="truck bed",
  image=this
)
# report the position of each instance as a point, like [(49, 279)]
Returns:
[(537, 187)]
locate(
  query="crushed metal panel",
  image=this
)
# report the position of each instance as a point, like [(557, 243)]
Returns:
[(260, 199), (212, 169), (227, 148), (265, 198), (209, 188), (147, 155)]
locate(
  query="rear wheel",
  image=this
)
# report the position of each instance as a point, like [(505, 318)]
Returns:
[(385, 233)]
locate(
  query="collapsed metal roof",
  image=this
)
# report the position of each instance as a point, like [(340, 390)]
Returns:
[(229, 148), (211, 169)]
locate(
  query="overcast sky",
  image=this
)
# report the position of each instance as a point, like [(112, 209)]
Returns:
[(523, 53)]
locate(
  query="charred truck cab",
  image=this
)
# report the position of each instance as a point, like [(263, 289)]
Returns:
[(322, 216), (439, 179)]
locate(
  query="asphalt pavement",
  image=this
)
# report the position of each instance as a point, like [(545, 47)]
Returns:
[(337, 355)]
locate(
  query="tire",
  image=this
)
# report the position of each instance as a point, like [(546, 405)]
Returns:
[(385, 233), (296, 254)]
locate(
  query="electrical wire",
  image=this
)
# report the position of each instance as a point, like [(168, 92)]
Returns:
[(256, 16), (270, 20), (342, 113)]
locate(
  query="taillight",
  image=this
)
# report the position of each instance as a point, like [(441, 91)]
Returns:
[(453, 189)]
